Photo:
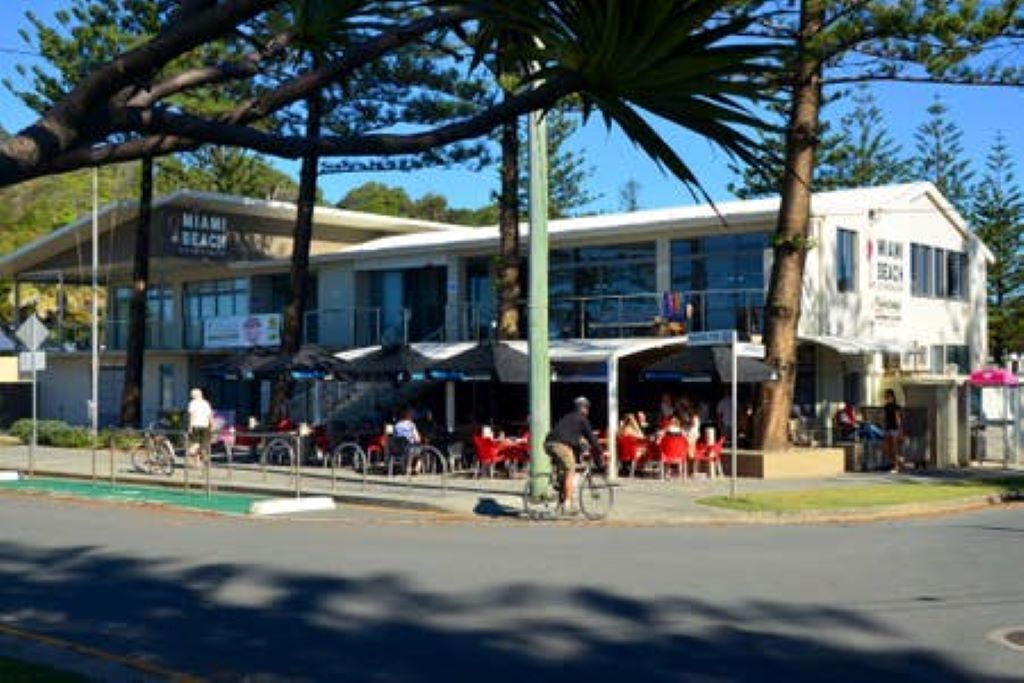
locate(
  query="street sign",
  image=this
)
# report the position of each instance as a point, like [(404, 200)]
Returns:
[(711, 338), (32, 333), (31, 361), (748, 350)]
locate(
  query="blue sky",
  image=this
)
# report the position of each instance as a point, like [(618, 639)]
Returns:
[(979, 111)]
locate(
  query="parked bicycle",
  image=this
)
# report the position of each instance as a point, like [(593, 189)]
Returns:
[(595, 495), (154, 454)]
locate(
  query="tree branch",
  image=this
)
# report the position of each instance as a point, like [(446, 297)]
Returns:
[(58, 130), (161, 122)]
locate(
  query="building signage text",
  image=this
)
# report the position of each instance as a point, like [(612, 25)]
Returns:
[(887, 271), (198, 234)]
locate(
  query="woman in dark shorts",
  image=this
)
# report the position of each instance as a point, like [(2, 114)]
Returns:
[(893, 430)]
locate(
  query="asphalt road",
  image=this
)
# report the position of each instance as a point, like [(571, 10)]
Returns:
[(351, 598)]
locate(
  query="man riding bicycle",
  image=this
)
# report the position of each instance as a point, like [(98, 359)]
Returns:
[(564, 444)]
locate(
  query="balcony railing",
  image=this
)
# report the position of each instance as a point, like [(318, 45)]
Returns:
[(591, 317)]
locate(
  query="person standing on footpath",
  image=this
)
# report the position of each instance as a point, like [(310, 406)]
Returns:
[(200, 423)]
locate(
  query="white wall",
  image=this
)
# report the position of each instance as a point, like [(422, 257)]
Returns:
[(66, 386), (925, 321)]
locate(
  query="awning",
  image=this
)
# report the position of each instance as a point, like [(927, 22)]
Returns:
[(310, 362), (850, 346), (708, 363), (484, 362)]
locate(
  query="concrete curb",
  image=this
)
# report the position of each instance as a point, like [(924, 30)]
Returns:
[(269, 491), (284, 506), (6, 475), (718, 517)]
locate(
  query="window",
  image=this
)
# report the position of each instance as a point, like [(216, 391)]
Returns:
[(209, 299), (936, 272), (159, 316), (922, 283), (958, 355), (595, 290), (723, 277), (956, 276), (846, 260), (939, 272)]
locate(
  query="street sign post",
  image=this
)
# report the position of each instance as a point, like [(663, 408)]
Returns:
[(736, 349), (32, 334)]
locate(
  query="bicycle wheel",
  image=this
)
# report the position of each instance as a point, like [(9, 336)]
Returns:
[(162, 457), (140, 458), (543, 507), (279, 452), (348, 455), (596, 497)]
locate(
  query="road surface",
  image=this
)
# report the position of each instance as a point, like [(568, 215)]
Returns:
[(367, 597)]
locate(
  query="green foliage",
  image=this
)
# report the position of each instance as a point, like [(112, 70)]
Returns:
[(568, 170), (939, 156), (53, 433), (225, 170), (375, 197), (997, 212), (864, 153)]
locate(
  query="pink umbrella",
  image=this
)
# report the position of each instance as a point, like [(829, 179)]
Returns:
[(993, 377)]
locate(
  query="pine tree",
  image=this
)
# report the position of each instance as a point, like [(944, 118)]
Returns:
[(866, 154), (998, 215), (939, 156)]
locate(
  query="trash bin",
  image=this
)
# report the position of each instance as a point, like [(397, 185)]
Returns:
[(978, 446)]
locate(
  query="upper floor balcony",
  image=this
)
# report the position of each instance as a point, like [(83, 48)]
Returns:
[(589, 317)]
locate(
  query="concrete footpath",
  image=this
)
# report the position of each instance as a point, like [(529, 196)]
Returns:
[(637, 501)]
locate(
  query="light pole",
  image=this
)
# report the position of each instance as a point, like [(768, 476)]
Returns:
[(94, 408), (537, 305)]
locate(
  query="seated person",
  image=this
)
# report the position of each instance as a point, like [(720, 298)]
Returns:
[(846, 421), (406, 429), (673, 425), (630, 427)]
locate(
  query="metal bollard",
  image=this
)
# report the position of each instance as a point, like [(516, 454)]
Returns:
[(298, 466), (94, 461), (208, 459), (113, 476), (185, 467)]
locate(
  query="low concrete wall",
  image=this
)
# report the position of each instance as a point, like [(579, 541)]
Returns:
[(795, 463)]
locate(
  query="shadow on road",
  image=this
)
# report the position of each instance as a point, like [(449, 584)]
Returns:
[(223, 621)]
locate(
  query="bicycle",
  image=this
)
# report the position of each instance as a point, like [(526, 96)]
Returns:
[(595, 495), (154, 455)]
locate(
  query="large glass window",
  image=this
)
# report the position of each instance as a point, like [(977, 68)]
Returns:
[(212, 298), (604, 290), (721, 279), (936, 272), (846, 260), (159, 316)]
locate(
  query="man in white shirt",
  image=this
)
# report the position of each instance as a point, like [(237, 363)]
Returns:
[(406, 428), (200, 422)]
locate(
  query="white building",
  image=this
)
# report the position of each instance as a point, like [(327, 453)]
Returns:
[(894, 289)]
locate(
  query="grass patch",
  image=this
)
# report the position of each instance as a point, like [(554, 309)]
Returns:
[(194, 499), (17, 671), (873, 496)]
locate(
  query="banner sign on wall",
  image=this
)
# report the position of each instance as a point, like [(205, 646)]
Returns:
[(242, 331), (887, 278), (197, 234)]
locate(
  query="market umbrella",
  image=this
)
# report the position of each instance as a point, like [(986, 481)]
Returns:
[(483, 363), (706, 364), (309, 362), (242, 366), (391, 362)]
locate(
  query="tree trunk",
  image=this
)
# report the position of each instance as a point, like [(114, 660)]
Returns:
[(509, 284), (782, 310), (131, 396), (294, 313)]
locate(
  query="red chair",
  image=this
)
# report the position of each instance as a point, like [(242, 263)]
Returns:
[(712, 455), (487, 454), (673, 450), (631, 450)]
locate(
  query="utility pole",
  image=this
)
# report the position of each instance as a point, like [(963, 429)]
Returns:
[(94, 407), (537, 304)]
